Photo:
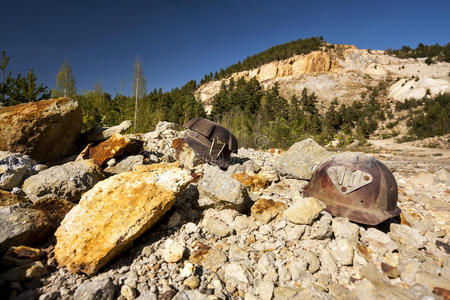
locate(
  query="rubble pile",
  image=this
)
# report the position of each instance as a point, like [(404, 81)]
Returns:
[(156, 222)]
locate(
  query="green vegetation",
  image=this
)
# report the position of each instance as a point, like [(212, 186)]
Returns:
[(20, 89), (278, 52), (407, 104), (251, 113), (178, 106), (433, 53), (433, 119)]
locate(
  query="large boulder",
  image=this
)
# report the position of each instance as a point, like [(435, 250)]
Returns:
[(22, 226), (46, 130), (114, 213), (301, 159), (66, 181)]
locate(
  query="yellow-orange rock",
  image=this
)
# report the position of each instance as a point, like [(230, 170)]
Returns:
[(114, 213), (268, 71), (46, 130), (9, 199), (252, 181), (116, 146), (314, 62), (264, 210)]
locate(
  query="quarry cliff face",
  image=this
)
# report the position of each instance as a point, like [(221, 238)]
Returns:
[(343, 73)]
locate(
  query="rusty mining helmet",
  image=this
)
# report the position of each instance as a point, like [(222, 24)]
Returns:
[(210, 141), (355, 186)]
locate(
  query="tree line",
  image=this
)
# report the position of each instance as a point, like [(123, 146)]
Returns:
[(251, 113), (432, 53), (278, 52)]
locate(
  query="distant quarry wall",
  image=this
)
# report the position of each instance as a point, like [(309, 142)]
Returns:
[(343, 73)]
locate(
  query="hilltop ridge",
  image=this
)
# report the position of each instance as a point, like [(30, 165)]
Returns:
[(343, 72)]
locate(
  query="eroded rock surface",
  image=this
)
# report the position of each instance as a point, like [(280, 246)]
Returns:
[(46, 130), (114, 213), (116, 146)]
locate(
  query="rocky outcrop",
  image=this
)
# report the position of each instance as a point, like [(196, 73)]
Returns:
[(46, 130), (114, 213), (344, 72), (66, 181), (409, 88)]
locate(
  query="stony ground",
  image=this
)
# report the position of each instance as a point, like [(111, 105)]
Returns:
[(200, 251)]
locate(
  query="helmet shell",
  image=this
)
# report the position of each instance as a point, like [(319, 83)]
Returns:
[(210, 141), (356, 186)]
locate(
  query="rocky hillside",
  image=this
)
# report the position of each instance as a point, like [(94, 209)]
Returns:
[(344, 72), (141, 217)]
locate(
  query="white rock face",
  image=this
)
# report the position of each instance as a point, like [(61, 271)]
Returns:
[(344, 72), (412, 88)]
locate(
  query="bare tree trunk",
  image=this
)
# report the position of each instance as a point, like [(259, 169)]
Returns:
[(135, 104), (65, 86)]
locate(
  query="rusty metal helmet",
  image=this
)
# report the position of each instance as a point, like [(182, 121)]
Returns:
[(355, 186), (210, 141)]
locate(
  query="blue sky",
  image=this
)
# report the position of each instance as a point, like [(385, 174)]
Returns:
[(182, 40)]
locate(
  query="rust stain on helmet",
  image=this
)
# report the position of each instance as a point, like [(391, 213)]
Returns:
[(210, 141), (355, 186)]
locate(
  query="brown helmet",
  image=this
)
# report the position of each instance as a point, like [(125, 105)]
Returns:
[(210, 141), (356, 186)]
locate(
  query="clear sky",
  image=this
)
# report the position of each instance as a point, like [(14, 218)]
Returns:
[(182, 40)]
